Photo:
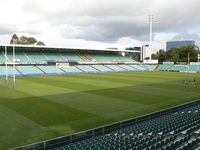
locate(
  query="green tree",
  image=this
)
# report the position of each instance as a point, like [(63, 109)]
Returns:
[(40, 43), (14, 37), (161, 55), (178, 54), (182, 54), (174, 53), (154, 56), (24, 40), (27, 40)]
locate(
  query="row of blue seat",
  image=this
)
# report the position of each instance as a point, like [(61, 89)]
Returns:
[(179, 68), (41, 57), (177, 130), (42, 70)]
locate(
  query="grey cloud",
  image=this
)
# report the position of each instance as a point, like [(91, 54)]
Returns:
[(7, 29), (187, 36), (10, 29), (30, 31), (103, 20), (107, 30)]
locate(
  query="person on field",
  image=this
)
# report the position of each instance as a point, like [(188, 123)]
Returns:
[(194, 80)]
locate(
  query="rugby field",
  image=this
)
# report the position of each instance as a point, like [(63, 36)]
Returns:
[(49, 106)]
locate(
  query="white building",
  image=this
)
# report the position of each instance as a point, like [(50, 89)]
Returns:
[(145, 52)]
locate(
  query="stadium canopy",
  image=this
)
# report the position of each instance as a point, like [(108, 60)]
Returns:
[(53, 48)]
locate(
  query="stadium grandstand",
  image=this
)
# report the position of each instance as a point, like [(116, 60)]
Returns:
[(179, 68), (33, 60)]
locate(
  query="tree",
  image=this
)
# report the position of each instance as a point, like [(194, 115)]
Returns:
[(14, 36), (27, 40), (160, 55), (182, 54), (153, 56), (174, 53), (178, 54), (24, 40), (40, 43)]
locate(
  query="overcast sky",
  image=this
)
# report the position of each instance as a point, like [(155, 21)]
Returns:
[(100, 23)]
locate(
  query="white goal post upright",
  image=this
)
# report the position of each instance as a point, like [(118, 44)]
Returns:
[(6, 63), (14, 79)]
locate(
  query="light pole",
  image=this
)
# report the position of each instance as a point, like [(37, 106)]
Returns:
[(151, 19)]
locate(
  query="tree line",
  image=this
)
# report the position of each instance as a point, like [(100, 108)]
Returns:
[(177, 54), (24, 40)]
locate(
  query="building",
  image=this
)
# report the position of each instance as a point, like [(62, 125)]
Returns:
[(145, 52), (178, 44)]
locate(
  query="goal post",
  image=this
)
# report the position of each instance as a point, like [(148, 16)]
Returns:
[(6, 65), (7, 73), (14, 76)]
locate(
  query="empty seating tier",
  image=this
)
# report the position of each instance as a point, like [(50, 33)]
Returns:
[(115, 68), (51, 70), (54, 56), (28, 70), (179, 68), (178, 129), (102, 68), (87, 68), (127, 67), (10, 71), (139, 67), (71, 69)]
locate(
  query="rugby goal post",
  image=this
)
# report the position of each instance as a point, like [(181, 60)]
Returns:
[(13, 65)]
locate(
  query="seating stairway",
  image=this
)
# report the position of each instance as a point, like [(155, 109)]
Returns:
[(51, 70), (10, 71), (25, 70), (102, 68), (87, 68), (54, 56), (139, 67), (71, 69), (116, 68)]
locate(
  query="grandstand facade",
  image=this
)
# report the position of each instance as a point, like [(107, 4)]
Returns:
[(32, 60)]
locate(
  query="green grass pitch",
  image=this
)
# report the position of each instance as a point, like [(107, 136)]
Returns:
[(50, 106)]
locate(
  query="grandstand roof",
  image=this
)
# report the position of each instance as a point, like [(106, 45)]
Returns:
[(64, 48)]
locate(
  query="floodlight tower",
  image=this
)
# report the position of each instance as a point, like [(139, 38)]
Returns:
[(151, 19), (14, 78)]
